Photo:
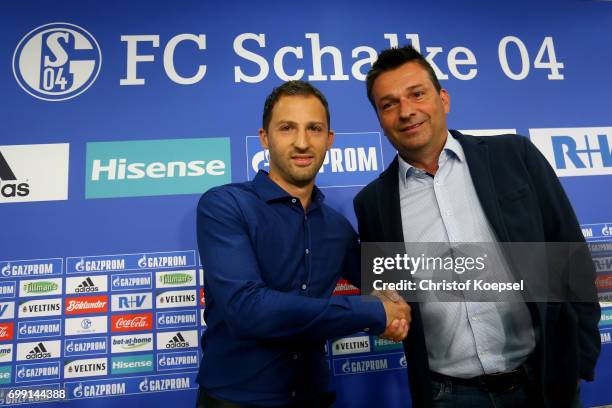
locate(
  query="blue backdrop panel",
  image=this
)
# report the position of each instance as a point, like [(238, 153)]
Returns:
[(118, 115)]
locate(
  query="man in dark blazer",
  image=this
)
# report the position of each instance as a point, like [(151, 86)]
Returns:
[(515, 197)]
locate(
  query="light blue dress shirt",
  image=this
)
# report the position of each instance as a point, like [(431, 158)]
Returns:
[(464, 339)]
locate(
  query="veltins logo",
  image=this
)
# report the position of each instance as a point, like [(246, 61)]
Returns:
[(576, 151), (34, 172), (354, 160), (156, 167), (57, 61)]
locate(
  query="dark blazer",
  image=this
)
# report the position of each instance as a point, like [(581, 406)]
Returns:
[(524, 202)]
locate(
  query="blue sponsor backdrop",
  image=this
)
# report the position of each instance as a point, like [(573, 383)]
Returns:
[(88, 72)]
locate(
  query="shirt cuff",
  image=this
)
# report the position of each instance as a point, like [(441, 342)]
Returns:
[(370, 313)]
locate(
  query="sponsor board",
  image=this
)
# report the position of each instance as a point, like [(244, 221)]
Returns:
[(202, 298), (57, 61), (367, 364), (37, 172), (86, 304), (603, 282), (351, 345), (31, 267), (39, 350), (75, 326), (127, 262), (84, 285), (599, 231), (8, 289), (201, 274), (6, 353), (606, 318), (132, 343), (177, 339), (603, 264), (606, 337), (180, 360), (176, 298), (354, 160), (40, 308), (85, 346), (343, 287), (34, 329), (138, 168), (171, 279), (132, 281), (576, 151), (37, 372), (7, 310), (7, 331), (132, 322), (140, 363), (6, 374), (386, 345), (40, 287), (131, 301), (130, 385), (176, 319), (202, 317), (91, 367)]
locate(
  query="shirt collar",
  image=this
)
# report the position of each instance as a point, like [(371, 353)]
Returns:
[(268, 190), (451, 149)]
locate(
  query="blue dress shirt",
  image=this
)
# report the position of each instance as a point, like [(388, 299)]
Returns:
[(470, 338), (269, 271)]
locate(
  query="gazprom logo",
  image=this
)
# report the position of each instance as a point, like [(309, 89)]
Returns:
[(576, 151), (355, 159), (156, 167), (57, 61)]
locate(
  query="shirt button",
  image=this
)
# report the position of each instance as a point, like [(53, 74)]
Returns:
[(293, 393), (293, 200), (295, 356), (307, 251), (304, 286), (449, 213)]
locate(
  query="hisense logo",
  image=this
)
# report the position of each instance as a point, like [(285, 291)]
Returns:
[(156, 167), (120, 169)]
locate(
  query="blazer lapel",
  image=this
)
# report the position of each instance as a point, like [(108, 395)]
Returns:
[(477, 157), (389, 204)]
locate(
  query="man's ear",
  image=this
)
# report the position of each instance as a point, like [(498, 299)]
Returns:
[(263, 138), (330, 139)]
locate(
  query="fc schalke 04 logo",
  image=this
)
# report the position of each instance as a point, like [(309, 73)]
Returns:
[(57, 61)]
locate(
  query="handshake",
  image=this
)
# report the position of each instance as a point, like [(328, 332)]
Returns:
[(398, 315)]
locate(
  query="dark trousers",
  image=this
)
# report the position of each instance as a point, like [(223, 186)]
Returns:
[(205, 400)]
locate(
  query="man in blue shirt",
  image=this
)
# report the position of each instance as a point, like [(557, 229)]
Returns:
[(272, 252)]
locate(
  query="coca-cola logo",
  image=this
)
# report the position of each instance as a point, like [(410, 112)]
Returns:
[(604, 282), (132, 322), (6, 331), (89, 304)]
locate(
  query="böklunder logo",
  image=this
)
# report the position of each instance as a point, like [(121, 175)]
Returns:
[(86, 304), (156, 167)]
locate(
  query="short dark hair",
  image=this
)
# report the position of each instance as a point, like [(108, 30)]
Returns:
[(393, 58), (291, 88)]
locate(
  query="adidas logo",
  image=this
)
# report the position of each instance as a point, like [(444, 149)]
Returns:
[(178, 341), (87, 286), (13, 189), (38, 352)]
